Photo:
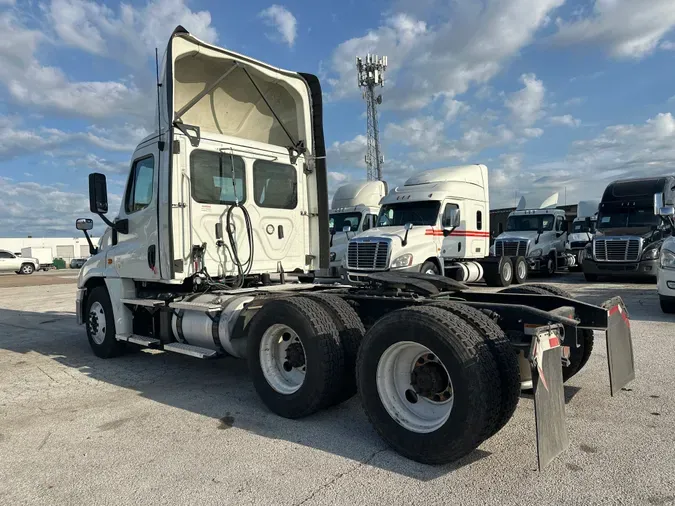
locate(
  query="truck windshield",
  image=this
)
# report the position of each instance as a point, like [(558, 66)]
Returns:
[(337, 221), (417, 213), (580, 227), (530, 222), (627, 218)]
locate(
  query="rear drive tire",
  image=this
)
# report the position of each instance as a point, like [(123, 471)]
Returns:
[(417, 407), (578, 355), (507, 392), (294, 356), (520, 270), (27, 269), (429, 267), (351, 331), (100, 324), (667, 305), (499, 275)]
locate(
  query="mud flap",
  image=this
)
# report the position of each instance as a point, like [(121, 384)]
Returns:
[(619, 345), (549, 398)]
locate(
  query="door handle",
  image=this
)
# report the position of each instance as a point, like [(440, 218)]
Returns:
[(280, 231), (152, 256)]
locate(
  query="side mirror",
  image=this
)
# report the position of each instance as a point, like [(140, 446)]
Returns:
[(540, 230), (98, 193), (658, 203), (84, 224), (667, 211), (347, 228), (451, 217), (408, 226), (332, 230)]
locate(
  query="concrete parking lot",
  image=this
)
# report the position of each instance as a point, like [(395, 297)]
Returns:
[(157, 428)]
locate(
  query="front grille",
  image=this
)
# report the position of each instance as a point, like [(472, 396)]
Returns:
[(510, 248), (617, 250), (578, 244), (368, 255)]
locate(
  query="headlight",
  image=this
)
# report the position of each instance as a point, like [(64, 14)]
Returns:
[(650, 254), (332, 256), (402, 261), (589, 249), (667, 259), (535, 253)]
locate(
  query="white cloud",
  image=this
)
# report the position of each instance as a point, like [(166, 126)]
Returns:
[(526, 104), (283, 20), (667, 45), (349, 154), (454, 108), (565, 120), (98, 164), (462, 45), (575, 101), (624, 28), (98, 29), (533, 133)]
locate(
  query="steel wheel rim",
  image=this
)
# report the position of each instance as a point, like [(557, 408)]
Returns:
[(96, 323), (279, 362), (430, 271), (508, 271), (394, 386), (25, 269), (522, 270)]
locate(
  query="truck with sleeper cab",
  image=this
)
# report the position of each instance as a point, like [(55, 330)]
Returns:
[(226, 205)]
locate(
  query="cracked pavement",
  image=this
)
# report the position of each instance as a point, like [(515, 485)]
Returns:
[(157, 428)]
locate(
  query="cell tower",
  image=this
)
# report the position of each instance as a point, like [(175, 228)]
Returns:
[(371, 74)]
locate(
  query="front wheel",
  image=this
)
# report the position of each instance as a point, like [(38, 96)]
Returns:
[(590, 277), (550, 266), (100, 323), (667, 305), (429, 267), (27, 269)]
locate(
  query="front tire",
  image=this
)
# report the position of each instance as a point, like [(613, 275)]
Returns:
[(100, 323), (424, 377), (520, 270), (294, 355), (550, 266), (590, 277), (27, 269), (429, 267)]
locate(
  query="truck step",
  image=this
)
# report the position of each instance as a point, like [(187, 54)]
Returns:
[(193, 351), (143, 302), (142, 340), (196, 306)]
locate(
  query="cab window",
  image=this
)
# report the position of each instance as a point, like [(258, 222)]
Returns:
[(275, 185), (140, 186)]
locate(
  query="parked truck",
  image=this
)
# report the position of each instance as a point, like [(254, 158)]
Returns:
[(539, 236), (228, 196), (354, 209), (629, 230), (582, 229), (44, 257), (437, 223)]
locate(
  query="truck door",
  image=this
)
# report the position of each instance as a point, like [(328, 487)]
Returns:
[(9, 262), (560, 234), (454, 244), (136, 254)]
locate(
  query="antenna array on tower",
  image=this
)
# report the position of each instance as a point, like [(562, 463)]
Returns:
[(370, 73)]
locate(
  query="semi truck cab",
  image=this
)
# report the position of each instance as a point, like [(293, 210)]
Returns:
[(539, 235), (629, 230)]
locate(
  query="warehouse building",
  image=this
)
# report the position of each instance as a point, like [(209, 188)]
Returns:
[(66, 248)]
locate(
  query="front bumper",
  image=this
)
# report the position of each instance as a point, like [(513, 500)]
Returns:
[(666, 283), (79, 301), (645, 268)]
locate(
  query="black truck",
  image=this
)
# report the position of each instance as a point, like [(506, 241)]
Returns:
[(629, 231)]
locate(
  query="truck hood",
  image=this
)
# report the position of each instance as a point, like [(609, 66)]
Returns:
[(643, 232), (520, 235), (397, 233)]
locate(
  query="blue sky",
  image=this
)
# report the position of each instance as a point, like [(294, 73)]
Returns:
[(551, 95)]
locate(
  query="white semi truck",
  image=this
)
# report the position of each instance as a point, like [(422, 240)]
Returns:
[(437, 223), (354, 209), (229, 196)]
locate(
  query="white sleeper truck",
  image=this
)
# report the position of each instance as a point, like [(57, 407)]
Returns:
[(437, 223), (354, 209), (227, 202)]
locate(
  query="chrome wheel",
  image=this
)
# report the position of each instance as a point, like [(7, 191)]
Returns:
[(414, 387), (96, 323), (283, 359), (26, 269), (522, 270), (507, 272)]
